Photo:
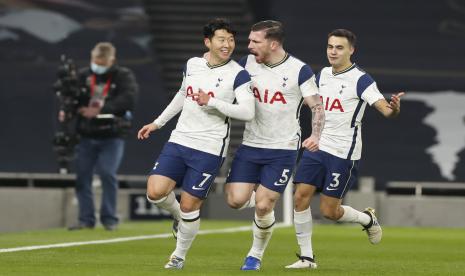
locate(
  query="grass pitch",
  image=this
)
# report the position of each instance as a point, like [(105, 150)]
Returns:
[(339, 249)]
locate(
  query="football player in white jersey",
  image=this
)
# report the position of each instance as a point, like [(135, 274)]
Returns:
[(267, 156), (195, 151), (345, 90)]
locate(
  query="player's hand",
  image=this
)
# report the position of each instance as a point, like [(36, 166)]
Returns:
[(145, 131), (201, 98), (395, 101), (311, 143)]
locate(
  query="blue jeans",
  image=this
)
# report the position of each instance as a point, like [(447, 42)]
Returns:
[(102, 156)]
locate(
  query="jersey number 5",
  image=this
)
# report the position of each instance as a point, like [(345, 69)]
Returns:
[(284, 178)]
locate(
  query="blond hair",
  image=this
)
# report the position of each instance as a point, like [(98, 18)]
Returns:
[(104, 50)]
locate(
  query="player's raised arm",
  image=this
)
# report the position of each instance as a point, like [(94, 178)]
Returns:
[(391, 109), (173, 108), (170, 111), (244, 109)]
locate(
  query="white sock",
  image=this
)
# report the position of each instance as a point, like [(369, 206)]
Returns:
[(250, 203), (303, 230), (168, 203), (262, 230), (352, 215), (187, 230)]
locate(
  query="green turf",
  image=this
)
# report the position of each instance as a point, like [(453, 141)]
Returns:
[(340, 250)]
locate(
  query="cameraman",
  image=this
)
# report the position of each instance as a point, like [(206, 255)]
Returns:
[(104, 112)]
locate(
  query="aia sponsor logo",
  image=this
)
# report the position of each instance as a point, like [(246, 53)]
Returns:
[(269, 97), (332, 104), (190, 93)]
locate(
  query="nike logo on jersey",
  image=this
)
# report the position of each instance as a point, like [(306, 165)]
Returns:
[(200, 186), (279, 184), (284, 178), (331, 189)]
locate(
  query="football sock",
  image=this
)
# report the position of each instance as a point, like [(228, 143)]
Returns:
[(170, 204), (303, 230), (352, 215), (250, 203), (262, 231), (187, 230)]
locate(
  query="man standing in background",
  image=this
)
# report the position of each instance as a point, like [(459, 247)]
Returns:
[(104, 114)]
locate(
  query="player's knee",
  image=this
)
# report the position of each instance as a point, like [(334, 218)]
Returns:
[(263, 207), (329, 212), (234, 201), (190, 203), (187, 208), (154, 194), (158, 187), (301, 200)]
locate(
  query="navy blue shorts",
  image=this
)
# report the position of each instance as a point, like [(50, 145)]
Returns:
[(193, 170), (271, 168), (332, 175)]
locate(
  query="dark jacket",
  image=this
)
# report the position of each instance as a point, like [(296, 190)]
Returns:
[(120, 102)]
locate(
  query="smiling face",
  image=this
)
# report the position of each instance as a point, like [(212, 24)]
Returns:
[(221, 46), (339, 52), (259, 46)]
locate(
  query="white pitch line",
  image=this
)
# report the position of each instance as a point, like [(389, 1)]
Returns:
[(116, 240)]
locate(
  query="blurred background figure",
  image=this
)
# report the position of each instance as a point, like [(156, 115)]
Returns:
[(105, 108)]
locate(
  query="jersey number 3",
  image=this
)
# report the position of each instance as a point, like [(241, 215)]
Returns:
[(335, 182)]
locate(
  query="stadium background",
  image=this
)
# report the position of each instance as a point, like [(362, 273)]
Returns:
[(412, 170), (413, 46)]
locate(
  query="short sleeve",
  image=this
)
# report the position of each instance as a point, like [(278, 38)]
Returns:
[(367, 89)]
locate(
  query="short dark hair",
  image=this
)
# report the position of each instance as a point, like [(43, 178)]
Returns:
[(217, 24), (344, 33), (274, 30)]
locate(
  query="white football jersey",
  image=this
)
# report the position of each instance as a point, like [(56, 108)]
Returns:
[(278, 91), (345, 95), (204, 128)]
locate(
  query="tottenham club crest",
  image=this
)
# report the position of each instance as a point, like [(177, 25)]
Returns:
[(284, 81), (218, 83)]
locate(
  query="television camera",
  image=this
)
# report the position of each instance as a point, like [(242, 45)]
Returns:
[(67, 90)]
